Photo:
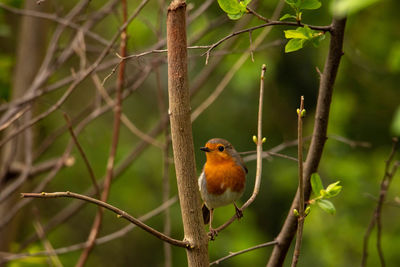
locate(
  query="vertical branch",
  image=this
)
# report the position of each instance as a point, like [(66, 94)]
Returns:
[(314, 154), (259, 141), (301, 216), (114, 144), (181, 133)]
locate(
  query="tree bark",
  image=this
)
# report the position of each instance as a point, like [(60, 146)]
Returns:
[(30, 51), (182, 139), (314, 155)]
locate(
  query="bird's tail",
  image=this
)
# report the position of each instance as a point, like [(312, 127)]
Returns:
[(206, 214)]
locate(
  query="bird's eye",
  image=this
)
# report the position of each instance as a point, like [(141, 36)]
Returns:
[(221, 148)]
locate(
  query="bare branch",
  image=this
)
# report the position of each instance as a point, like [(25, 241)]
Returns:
[(301, 216), (101, 240), (120, 213), (270, 23), (233, 254)]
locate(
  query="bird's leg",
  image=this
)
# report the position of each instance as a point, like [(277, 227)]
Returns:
[(213, 232), (239, 212)]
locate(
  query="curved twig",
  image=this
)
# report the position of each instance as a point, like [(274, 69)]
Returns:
[(120, 214)]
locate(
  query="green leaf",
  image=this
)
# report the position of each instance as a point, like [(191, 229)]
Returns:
[(316, 184), (326, 206), (294, 45), (287, 16), (230, 6), (310, 4), (298, 34), (235, 16), (333, 189)]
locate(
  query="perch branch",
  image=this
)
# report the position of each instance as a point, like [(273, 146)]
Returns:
[(120, 214)]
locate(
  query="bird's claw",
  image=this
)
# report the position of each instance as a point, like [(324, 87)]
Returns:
[(212, 234), (239, 212)]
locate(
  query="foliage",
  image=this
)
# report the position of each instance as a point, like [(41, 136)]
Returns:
[(301, 36), (234, 9)]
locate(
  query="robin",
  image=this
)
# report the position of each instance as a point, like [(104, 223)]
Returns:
[(222, 179)]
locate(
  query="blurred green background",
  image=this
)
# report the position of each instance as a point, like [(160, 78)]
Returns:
[(365, 102)]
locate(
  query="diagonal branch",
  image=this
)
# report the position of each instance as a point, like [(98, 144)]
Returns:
[(120, 213), (318, 140)]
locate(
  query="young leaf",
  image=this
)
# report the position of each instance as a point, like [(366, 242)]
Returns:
[(333, 189), (326, 206), (310, 4), (316, 184), (298, 34), (287, 16), (294, 45), (230, 6)]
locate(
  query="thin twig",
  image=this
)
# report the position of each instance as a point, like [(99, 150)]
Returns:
[(376, 216), (233, 254), (124, 118), (253, 12), (78, 80), (270, 23), (259, 153), (120, 214), (114, 144), (55, 18), (83, 155), (53, 258), (73, 208), (228, 76), (349, 142), (301, 216)]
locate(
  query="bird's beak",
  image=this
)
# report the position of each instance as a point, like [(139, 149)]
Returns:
[(205, 149)]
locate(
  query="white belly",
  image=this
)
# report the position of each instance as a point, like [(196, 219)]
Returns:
[(214, 201)]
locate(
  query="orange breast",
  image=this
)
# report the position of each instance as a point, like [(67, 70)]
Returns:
[(224, 175)]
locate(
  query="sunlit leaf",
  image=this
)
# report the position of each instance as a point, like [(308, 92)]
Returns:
[(298, 34), (294, 45), (230, 6), (310, 4)]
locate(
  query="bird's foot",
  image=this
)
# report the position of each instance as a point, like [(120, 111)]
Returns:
[(212, 234), (239, 212)]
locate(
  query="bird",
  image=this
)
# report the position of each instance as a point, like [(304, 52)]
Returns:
[(222, 180)]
